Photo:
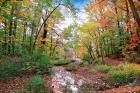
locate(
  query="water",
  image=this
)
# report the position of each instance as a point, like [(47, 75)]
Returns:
[(62, 79)]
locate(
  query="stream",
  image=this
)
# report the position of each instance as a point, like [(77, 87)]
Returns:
[(65, 81)]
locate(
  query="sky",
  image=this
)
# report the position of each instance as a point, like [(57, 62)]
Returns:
[(80, 3), (69, 19)]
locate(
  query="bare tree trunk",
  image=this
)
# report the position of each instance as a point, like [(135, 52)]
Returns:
[(31, 39), (24, 36), (134, 11), (53, 51), (14, 34), (5, 38), (127, 13), (44, 36), (51, 45), (10, 32), (136, 17)]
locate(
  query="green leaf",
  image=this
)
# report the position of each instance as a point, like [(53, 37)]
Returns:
[(49, 2), (2, 34), (5, 4), (7, 16), (58, 14)]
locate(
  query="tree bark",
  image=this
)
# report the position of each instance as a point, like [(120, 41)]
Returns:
[(14, 34), (24, 36), (5, 45), (44, 35), (10, 31), (134, 11)]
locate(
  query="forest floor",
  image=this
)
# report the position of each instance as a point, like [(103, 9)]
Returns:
[(85, 72), (18, 83), (82, 72)]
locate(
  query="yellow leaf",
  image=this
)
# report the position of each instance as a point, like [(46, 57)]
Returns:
[(90, 26), (26, 2), (1, 18), (1, 1)]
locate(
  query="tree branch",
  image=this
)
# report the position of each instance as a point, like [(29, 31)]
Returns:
[(44, 23)]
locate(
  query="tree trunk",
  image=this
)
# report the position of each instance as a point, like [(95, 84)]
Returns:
[(24, 36), (10, 32), (51, 45), (127, 13), (31, 38), (14, 34), (44, 36), (5, 45), (134, 11)]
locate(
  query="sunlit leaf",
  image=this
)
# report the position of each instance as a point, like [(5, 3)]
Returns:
[(14, 1)]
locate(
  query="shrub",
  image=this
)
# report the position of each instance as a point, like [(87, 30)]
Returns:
[(43, 64), (72, 67), (36, 54), (10, 69), (87, 57), (120, 78), (123, 74), (28, 65), (60, 62), (41, 61), (98, 61), (102, 68), (83, 63), (132, 57), (36, 85)]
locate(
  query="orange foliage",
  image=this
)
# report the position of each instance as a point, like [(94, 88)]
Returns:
[(130, 24), (81, 51), (104, 22), (21, 13), (135, 38), (93, 7), (135, 41), (13, 1)]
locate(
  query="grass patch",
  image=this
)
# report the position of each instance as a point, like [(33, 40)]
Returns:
[(102, 68), (123, 74), (10, 69)]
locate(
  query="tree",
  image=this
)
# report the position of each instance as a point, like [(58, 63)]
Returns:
[(22, 27), (59, 3)]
